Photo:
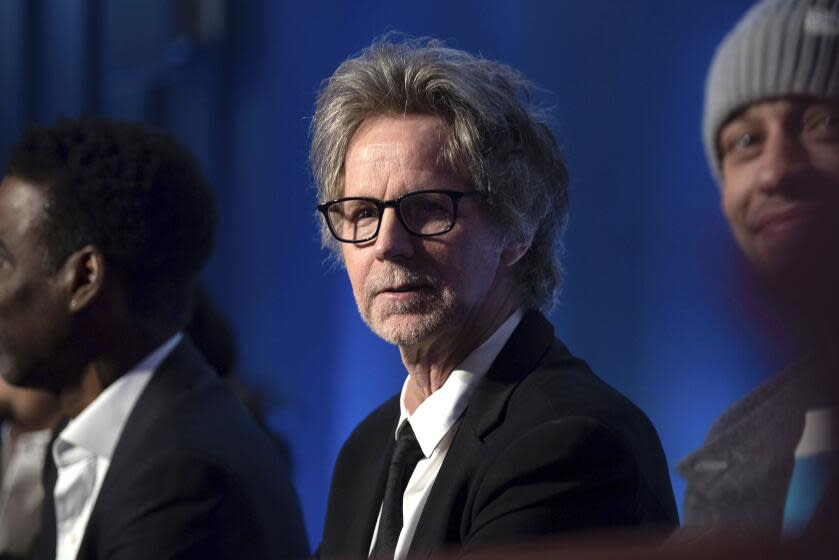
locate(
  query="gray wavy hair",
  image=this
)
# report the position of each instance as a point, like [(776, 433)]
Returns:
[(497, 140)]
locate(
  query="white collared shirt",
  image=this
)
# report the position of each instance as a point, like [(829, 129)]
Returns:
[(435, 422), (83, 451), (21, 492)]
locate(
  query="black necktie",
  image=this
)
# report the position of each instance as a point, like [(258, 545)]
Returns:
[(405, 456)]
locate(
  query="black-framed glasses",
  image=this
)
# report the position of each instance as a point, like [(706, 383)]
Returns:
[(357, 219)]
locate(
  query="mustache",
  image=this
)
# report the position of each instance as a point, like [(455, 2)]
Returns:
[(398, 278)]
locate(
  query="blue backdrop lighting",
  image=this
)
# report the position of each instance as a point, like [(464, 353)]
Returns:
[(653, 297)]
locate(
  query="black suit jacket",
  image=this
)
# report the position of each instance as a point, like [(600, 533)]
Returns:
[(192, 476), (545, 447)]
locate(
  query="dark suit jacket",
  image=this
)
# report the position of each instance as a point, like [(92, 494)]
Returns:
[(192, 476), (545, 447)]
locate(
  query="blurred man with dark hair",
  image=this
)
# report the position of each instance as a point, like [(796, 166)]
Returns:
[(771, 132), (444, 195), (27, 417), (103, 229)]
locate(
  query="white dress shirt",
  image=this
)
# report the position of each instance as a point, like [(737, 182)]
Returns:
[(435, 422), (21, 492), (83, 451)]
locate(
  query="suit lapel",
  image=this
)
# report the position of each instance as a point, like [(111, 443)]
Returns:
[(354, 501), (522, 353), (371, 495), (441, 519)]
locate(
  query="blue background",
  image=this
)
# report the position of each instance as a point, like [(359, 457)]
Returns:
[(656, 297)]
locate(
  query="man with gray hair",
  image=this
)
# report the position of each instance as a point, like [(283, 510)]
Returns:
[(771, 132), (444, 195)]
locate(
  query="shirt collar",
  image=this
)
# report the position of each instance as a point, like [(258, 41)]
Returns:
[(98, 427), (435, 416)]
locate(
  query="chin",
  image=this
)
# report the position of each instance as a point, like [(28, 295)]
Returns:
[(11, 375), (409, 323), (24, 378), (408, 329)]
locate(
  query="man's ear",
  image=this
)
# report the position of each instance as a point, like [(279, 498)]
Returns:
[(83, 273), (514, 251)]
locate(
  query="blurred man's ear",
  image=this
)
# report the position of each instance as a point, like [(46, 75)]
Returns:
[(84, 274), (515, 250), (513, 253)]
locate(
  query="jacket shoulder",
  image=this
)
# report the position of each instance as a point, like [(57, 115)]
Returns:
[(563, 385), (369, 437), (187, 443), (562, 396)]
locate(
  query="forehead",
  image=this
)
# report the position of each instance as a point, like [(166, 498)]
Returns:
[(397, 152), (780, 107), (22, 207), (394, 128)]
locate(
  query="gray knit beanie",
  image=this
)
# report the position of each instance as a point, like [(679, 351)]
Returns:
[(779, 48)]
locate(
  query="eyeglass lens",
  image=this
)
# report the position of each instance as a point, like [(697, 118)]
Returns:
[(422, 213)]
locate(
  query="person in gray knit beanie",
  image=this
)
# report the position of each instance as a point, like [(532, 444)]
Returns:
[(780, 48), (771, 134)]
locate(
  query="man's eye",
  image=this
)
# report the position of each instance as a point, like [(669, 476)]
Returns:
[(825, 126), (744, 141), (741, 145), (431, 207), (362, 213)]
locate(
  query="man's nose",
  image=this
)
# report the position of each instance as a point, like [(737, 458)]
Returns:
[(393, 241), (783, 161)]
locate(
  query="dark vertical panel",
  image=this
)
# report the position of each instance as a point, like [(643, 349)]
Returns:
[(92, 73), (61, 68), (217, 273), (134, 41), (13, 102), (31, 57), (19, 50)]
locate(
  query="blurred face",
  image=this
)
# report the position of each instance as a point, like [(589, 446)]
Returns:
[(33, 321), (780, 167), (411, 289)]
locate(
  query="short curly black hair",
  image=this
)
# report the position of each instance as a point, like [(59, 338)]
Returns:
[(132, 192)]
